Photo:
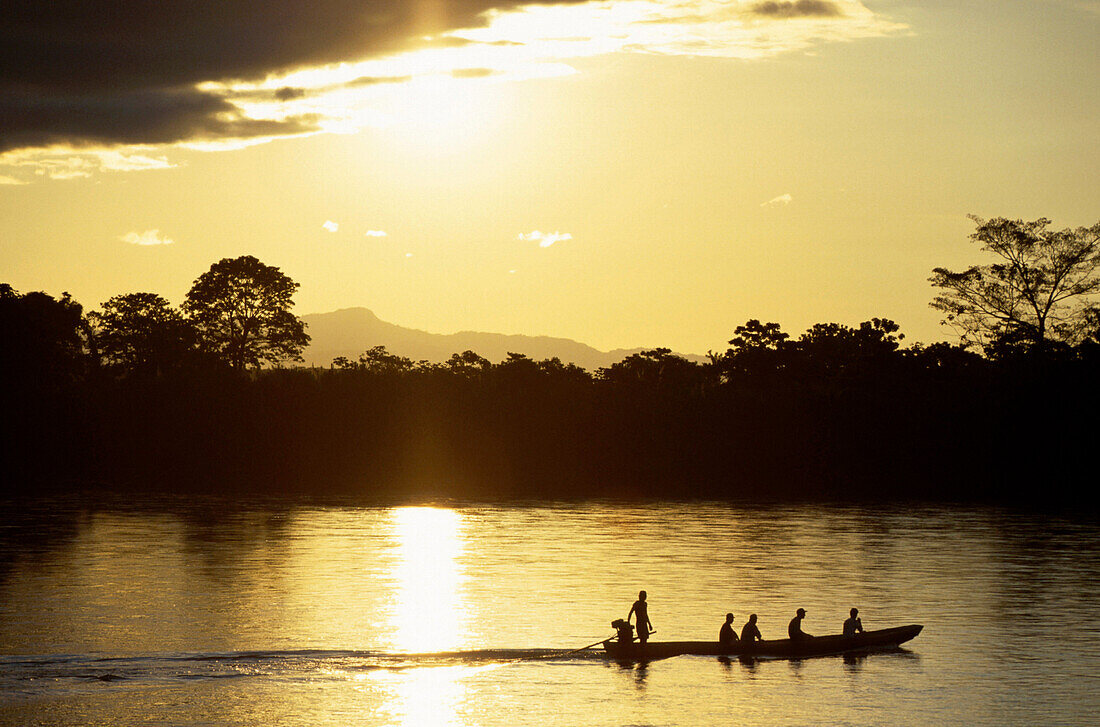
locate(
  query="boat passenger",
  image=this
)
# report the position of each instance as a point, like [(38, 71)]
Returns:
[(726, 635), (794, 629), (750, 632), (645, 626), (852, 624)]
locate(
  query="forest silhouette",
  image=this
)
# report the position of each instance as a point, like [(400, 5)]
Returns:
[(140, 396)]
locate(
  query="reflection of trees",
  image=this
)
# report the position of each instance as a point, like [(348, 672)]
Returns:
[(225, 539), (1045, 564), (33, 532)]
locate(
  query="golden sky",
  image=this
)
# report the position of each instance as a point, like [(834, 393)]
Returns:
[(624, 173)]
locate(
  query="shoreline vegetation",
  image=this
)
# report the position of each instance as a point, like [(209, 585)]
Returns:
[(905, 427), (140, 396)]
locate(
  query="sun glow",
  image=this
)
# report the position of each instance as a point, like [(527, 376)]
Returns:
[(437, 92), (440, 109), (427, 612), (440, 93)]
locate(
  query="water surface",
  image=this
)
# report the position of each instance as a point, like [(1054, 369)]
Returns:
[(209, 612)]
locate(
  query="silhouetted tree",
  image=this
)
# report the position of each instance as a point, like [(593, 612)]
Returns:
[(656, 367), (377, 360), (559, 371), (140, 333), (757, 349), (844, 346), (517, 367), (946, 358), (468, 364), (241, 308), (1036, 292), (43, 338)]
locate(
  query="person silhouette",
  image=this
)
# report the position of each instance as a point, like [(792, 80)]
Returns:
[(726, 634), (750, 632), (853, 624), (641, 610), (794, 629)]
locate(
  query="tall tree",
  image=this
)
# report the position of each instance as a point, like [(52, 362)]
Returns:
[(758, 349), (241, 308), (43, 339), (1038, 290), (142, 334)]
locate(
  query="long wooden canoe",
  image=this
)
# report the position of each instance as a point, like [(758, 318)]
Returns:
[(778, 648)]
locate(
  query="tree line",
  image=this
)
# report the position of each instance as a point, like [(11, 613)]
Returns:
[(141, 395)]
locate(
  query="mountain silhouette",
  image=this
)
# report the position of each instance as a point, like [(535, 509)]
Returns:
[(351, 331)]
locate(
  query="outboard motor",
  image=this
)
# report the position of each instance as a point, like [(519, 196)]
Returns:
[(624, 631)]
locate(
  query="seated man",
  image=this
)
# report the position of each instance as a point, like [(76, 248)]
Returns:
[(794, 629), (726, 635), (750, 632), (623, 631), (853, 624)]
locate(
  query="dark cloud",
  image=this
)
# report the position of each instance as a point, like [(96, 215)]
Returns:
[(797, 9), (293, 93), (132, 117), (289, 93), (109, 71)]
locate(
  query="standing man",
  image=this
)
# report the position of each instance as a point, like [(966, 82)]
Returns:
[(794, 629), (645, 626), (853, 623)]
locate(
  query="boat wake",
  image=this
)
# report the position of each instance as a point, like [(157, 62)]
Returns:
[(29, 675)]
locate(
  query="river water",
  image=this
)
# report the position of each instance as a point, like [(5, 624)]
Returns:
[(213, 612)]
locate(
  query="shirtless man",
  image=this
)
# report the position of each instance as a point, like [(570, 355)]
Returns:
[(644, 625), (852, 624)]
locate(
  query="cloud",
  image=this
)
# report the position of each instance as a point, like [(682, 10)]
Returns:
[(84, 77), (85, 73), (149, 237), (29, 119), (4, 179), (797, 9), (89, 46), (473, 72), (330, 225), (783, 199), (544, 239), (70, 164), (375, 233), (115, 161)]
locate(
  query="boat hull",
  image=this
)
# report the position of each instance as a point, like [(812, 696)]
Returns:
[(776, 649)]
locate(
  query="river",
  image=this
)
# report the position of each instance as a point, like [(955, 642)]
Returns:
[(202, 611)]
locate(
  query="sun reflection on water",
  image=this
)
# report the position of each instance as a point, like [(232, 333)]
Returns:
[(427, 696), (427, 614)]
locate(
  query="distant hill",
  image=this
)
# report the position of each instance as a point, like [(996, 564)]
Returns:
[(351, 331)]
